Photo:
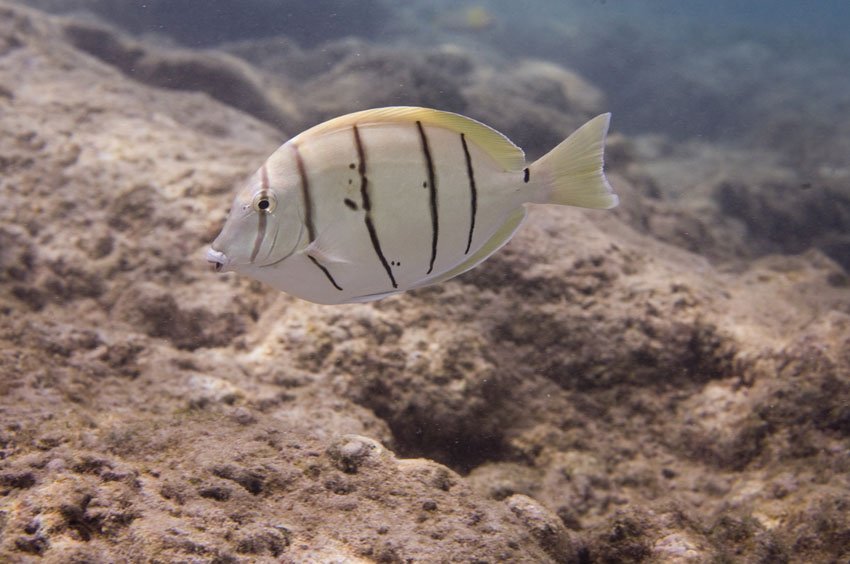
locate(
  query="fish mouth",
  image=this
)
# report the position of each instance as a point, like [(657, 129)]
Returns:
[(217, 259)]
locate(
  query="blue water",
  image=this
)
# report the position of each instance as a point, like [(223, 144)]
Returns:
[(683, 68), (694, 69)]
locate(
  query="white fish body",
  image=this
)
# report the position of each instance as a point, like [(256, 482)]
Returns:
[(382, 201)]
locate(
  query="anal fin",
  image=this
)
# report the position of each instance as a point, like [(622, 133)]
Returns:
[(502, 236), (372, 297)]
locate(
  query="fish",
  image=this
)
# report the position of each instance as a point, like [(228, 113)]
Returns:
[(470, 18), (381, 201)]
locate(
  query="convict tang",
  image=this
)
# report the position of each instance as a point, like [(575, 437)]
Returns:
[(382, 201)]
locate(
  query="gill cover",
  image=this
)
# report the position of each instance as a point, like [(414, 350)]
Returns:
[(263, 227)]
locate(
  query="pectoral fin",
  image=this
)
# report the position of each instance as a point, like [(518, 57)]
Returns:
[(327, 249)]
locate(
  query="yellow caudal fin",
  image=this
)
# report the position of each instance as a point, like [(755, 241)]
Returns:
[(572, 173)]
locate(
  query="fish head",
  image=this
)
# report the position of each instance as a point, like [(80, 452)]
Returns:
[(263, 228)]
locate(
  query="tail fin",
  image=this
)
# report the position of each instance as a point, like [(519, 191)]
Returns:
[(571, 174)]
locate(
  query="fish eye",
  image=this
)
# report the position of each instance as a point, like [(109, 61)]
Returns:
[(264, 202)]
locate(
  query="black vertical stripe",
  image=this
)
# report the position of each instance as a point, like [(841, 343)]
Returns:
[(361, 169), (264, 178), (367, 204), (261, 234), (432, 185), (308, 212), (325, 270), (305, 194), (261, 225), (473, 192)]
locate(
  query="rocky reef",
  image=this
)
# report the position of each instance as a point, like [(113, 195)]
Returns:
[(667, 382)]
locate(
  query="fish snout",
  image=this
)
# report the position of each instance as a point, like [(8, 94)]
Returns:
[(217, 259)]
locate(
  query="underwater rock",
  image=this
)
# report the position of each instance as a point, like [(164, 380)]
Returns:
[(214, 73), (352, 452), (158, 314), (733, 204), (546, 527), (369, 78), (790, 218), (611, 397)]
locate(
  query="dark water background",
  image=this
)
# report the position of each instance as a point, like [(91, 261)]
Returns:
[(699, 68), (688, 69)]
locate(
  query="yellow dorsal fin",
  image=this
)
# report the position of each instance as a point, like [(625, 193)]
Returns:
[(499, 147)]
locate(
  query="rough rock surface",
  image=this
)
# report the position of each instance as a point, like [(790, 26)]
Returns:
[(590, 394)]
